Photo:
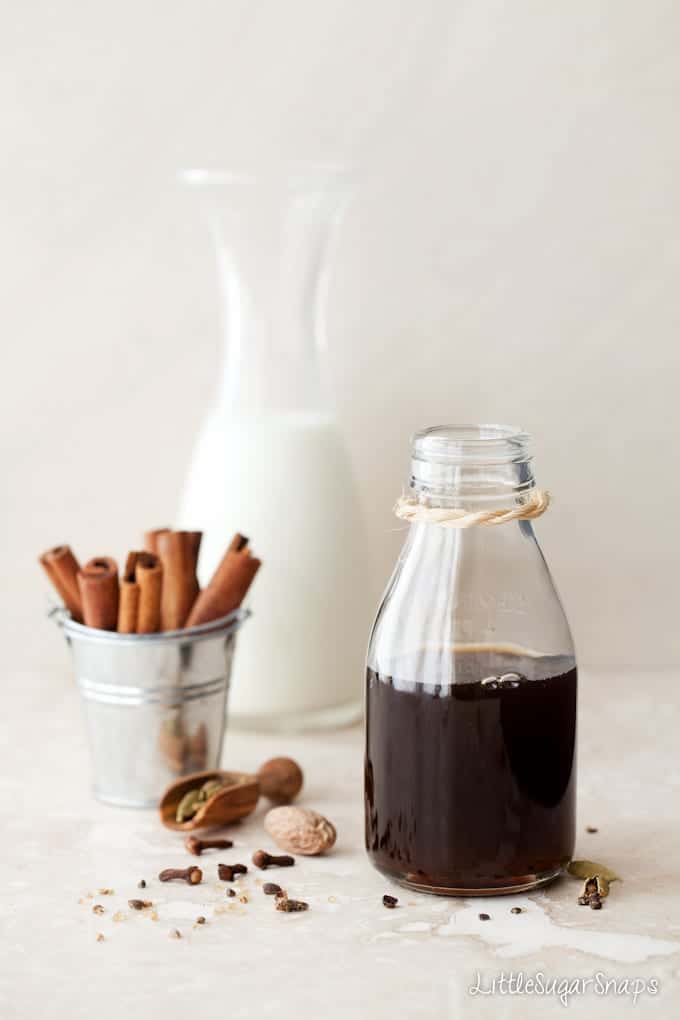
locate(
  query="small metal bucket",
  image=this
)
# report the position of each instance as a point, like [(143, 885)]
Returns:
[(155, 704)]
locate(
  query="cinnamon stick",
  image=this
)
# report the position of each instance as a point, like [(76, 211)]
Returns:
[(139, 611), (149, 576), (151, 539), (178, 551), (128, 603), (62, 568), (98, 586), (228, 586)]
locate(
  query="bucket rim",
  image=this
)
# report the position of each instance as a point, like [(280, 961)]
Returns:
[(214, 628)]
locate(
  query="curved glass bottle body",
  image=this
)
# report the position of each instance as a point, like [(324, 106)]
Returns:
[(471, 687)]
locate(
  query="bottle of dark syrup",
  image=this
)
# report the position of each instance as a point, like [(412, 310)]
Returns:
[(470, 764)]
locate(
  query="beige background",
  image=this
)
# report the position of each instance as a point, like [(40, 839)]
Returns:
[(512, 255)]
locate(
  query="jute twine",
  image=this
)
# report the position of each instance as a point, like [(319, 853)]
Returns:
[(409, 509)]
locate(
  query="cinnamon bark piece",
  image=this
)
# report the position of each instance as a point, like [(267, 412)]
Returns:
[(151, 539), (178, 551), (62, 568), (149, 577), (128, 603), (228, 586), (98, 586)]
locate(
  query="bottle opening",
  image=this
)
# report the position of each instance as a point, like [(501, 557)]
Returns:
[(471, 461)]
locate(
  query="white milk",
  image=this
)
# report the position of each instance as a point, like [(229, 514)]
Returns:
[(285, 482)]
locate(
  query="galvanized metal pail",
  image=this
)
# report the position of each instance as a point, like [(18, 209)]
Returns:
[(154, 704)]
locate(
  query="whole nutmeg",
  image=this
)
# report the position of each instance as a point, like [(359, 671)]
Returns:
[(300, 830), (280, 780)]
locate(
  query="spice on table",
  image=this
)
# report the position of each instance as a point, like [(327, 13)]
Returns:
[(389, 901), (139, 904), (300, 830), (141, 884), (261, 859), (196, 846), (591, 828), (290, 906), (515, 910), (228, 872), (200, 920), (271, 888), (175, 934), (100, 937), (231, 892), (280, 780), (104, 892), (192, 875), (243, 899), (484, 917), (97, 909), (585, 869)]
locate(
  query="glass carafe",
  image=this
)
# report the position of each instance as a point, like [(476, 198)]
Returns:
[(470, 763), (270, 460)]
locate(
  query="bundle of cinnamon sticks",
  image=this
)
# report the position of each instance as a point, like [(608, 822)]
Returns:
[(158, 590)]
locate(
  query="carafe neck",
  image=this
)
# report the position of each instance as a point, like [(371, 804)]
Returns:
[(272, 232)]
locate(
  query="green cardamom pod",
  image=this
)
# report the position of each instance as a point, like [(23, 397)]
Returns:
[(188, 806), (209, 788), (596, 884), (591, 869)]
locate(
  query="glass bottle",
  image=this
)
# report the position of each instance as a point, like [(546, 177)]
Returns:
[(470, 763), (270, 460)]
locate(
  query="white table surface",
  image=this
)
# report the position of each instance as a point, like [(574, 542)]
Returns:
[(348, 955)]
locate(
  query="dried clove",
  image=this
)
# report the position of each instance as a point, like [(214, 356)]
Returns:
[(228, 872), (271, 889), (389, 901), (290, 906), (261, 859), (192, 875), (196, 846)]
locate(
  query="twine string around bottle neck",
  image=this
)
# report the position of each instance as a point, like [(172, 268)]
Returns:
[(409, 509)]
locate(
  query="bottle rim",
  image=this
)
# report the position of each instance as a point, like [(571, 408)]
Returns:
[(471, 460), (485, 443)]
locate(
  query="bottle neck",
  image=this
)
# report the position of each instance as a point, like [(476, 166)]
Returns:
[(471, 467)]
